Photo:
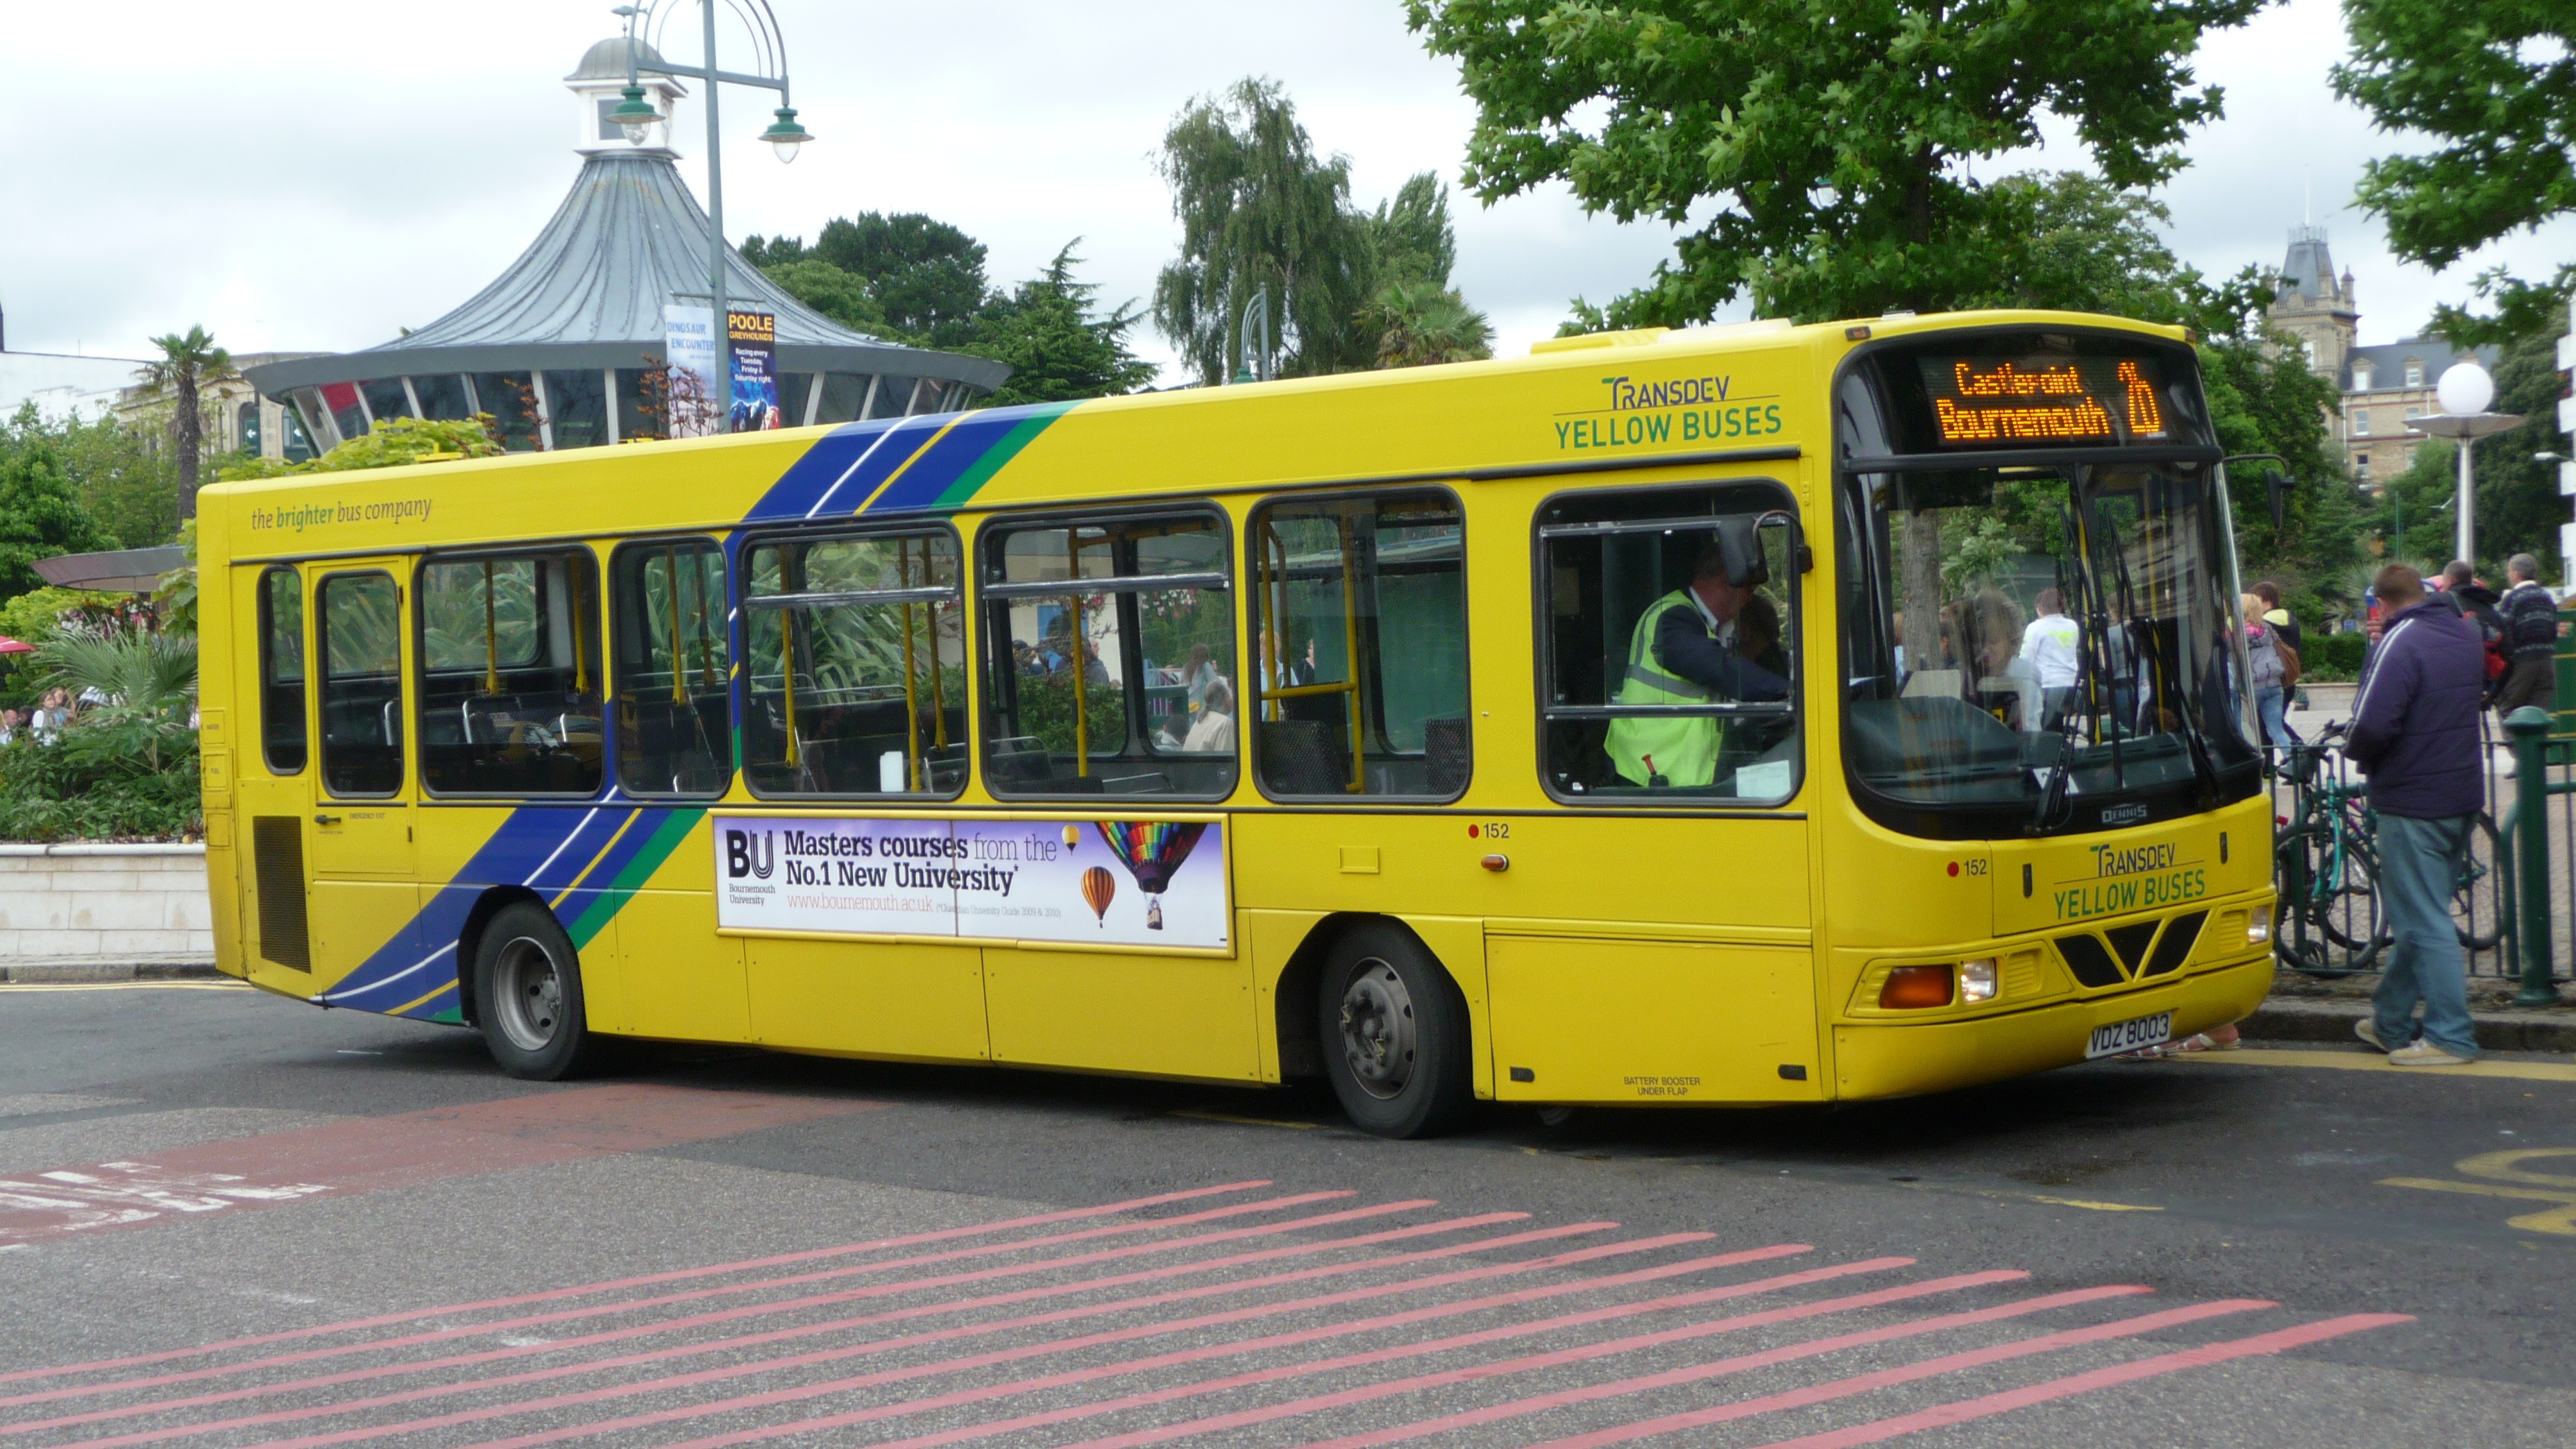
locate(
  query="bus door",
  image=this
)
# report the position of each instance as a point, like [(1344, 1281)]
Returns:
[(272, 769), (360, 822)]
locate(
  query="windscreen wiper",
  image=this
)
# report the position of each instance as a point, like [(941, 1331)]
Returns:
[(2204, 771)]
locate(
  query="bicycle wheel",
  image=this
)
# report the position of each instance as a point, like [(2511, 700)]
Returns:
[(2327, 920), (2477, 903)]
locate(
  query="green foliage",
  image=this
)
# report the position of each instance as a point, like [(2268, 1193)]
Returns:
[(1058, 348), (188, 362), (2495, 82), (2324, 656), (1046, 711), (1834, 141), (842, 296), (2093, 247), (123, 474), (924, 277), (176, 599), (1410, 236), (124, 768), (37, 615), (391, 443), (1419, 322), (1259, 209), (41, 515)]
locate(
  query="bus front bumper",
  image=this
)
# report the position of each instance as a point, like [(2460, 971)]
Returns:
[(1896, 1060)]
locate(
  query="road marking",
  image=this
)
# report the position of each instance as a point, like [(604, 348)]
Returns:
[(2099, 1207), (116, 1194), (739, 1265), (16, 987), (2500, 1167), (1197, 1115), (2370, 1061), (2085, 1383)]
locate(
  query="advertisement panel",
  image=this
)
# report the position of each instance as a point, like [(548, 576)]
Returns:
[(752, 338), (689, 362), (1111, 882)]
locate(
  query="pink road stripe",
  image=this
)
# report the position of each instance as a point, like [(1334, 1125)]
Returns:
[(957, 1365), (967, 1396), (2085, 1383), (882, 1265), (810, 1329), (1910, 1373), (644, 1280), (1509, 1367), (1810, 1348)]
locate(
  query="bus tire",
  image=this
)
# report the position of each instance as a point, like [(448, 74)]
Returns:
[(527, 982), (1394, 1033)]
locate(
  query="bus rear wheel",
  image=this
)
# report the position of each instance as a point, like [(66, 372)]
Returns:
[(527, 988), (1395, 1037)]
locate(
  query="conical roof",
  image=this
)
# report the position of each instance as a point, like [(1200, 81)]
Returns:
[(589, 293)]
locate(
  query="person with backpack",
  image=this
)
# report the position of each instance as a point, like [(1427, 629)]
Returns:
[(2531, 631), (2270, 673), (2478, 602)]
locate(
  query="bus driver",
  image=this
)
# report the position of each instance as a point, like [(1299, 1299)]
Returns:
[(1685, 652)]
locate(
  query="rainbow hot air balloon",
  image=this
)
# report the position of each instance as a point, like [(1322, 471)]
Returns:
[(1098, 888), (1152, 849)]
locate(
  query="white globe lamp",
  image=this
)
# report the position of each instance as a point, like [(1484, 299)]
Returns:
[(2465, 389)]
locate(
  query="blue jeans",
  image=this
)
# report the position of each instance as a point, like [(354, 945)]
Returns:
[(2268, 706), (2419, 866)]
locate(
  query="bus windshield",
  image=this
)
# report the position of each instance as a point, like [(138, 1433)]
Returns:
[(2040, 648)]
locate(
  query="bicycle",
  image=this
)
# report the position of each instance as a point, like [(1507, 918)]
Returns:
[(2328, 920)]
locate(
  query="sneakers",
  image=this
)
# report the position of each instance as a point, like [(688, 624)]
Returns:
[(2368, 1033), (2425, 1054)]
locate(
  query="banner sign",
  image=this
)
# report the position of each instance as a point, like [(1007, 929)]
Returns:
[(689, 362), (1114, 882), (752, 338)]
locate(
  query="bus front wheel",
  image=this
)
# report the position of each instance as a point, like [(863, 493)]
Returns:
[(527, 984), (1394, 1034)]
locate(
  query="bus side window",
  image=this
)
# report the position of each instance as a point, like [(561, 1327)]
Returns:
[(1109, 657), (509, 664), (359, 639), (1360, 611), (281, 671), (857, 647), (1669, 644), (674, 665)]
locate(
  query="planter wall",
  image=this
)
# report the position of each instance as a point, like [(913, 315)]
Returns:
[(127, 901)]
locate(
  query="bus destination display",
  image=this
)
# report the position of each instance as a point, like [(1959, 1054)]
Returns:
[(1985, 402)]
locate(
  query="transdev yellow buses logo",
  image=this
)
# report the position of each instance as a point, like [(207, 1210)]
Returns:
[(2131, 878), (1654, 413)]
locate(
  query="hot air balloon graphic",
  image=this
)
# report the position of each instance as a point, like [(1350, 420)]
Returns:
[(1098, 887), (1153, 850)]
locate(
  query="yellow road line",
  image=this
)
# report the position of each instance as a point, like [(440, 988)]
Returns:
[(2099, 1207), (2370, 1061), (125, 986), (1197, 1115)]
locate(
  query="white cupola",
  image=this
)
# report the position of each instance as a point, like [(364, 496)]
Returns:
[(599, 82)]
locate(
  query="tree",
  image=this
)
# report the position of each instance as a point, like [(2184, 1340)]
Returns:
[(2495, 81), (1417, 323), (40, 516), (2094, 247), (1835, 141), (1259, 210), (1410, 237), (188, 361), (923, 278), (1057, 346), (126, 482)]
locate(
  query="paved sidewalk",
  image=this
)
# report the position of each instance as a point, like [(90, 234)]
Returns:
[(24, 970)]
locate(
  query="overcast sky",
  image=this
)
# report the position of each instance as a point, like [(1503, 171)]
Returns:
[(312, 174)]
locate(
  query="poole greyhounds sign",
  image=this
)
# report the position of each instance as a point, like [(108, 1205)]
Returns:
[(1114, 882)]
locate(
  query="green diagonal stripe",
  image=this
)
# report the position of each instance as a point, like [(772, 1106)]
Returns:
[(981, 471), (612, 898)]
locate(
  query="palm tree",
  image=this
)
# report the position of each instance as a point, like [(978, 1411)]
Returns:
[(188, 362), (1420, 322)]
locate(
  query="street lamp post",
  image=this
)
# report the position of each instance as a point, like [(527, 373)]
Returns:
[(633, 112), (2464, 392)]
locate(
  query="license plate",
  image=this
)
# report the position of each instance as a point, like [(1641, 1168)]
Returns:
[(2130, 1035)]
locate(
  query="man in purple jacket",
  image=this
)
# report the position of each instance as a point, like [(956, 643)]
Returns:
[(2415, 734)]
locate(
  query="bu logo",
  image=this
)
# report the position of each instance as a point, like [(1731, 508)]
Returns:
[(747, 856)]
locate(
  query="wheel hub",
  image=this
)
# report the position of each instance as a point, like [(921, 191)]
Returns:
[(529, 992), (1377, 1029)]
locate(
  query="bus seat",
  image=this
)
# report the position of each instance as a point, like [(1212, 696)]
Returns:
[(1304, 757)]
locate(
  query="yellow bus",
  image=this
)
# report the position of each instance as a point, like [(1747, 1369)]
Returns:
[(1729, 715)]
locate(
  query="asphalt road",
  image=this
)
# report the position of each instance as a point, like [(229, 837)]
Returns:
[(228, 1219)]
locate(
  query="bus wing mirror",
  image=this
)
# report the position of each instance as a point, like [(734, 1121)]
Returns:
[(1739, 545), (2277, 489)]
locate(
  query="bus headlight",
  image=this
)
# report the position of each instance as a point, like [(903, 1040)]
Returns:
[(1916, 987), (2258, 930), (1977, 981)]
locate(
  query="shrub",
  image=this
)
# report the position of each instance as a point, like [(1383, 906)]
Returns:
[(2333, 656)]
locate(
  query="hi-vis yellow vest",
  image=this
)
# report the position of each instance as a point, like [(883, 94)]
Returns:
[(1684, 750)]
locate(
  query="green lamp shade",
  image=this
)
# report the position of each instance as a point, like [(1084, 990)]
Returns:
[(785, 134), (634, 113)]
